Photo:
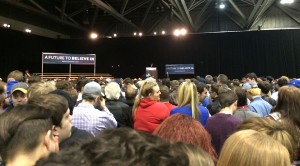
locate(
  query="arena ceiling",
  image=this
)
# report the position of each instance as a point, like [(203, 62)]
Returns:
[(75, 18)]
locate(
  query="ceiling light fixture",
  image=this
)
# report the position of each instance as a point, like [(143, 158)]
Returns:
[(93, 35), (222, 6), (28, 30), (286, 1), (5, 25)]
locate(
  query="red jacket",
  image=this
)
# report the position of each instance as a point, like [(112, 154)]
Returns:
[(150, 114)]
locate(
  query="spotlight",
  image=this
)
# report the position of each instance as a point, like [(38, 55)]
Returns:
[(134, 33), (93, 35), (222, 6), (6, 25), (163, 32), (180, 32), (176, 32), (287, 1), (115, 35), (183, 31), (140, 34), (154, 33), (28, 30)]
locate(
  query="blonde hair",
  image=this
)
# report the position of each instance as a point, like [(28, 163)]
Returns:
[(197, 156), (40, 88), (145, 90), (280, 131), (187, 95), (249, 147)]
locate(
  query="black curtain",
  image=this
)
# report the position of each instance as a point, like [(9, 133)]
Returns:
[(273, 53)]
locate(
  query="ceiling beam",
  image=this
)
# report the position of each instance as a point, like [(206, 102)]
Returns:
[(78, 11), (136, 7), (235, 20), (63, 9), (265, 6), (187, 13), (157, 21), (38, 6), (94, 17), (181, 12), (147, 13), (288, 12), (203, 9), (100, 4), (251, 18), (124, 5), (191, 3), (173, 10), (41, 13), (237, 10), (71, 19), (196, 5)]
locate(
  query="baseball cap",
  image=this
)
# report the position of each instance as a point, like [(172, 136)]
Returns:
[(247, 86), (91, 89), (295, 83), (20, 86)]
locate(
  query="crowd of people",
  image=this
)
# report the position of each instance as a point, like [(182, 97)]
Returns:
[(194, 121)]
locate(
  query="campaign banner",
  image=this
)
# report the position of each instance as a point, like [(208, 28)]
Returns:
[(180, 69), (61, 58)]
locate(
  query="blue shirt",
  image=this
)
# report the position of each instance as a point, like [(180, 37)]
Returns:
[(187, 110), (260, 106)]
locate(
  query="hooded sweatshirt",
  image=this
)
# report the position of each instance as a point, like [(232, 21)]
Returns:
[(150, 114)]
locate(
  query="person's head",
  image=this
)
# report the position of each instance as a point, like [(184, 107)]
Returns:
[(149, 89), (222, 79), (130, 92), (15, 75), (197, 156), (71, 102), (174, 84), (3, 88), (60, 113), (251, 78), (126, 147), (80, 82), (279, 131), (187, 95), (113, 91), (166, 82), (265, 87), (165, 93), (209, 79), (214, 88), (228, 99), (282, 81), (26, 130), (64, 85), (19, 94), (252, 90), (127, 81), (242, 96), (182, 128), (202, 90), (249, 147), (91, 92), (40, 88), (34, 79), (288, 103)]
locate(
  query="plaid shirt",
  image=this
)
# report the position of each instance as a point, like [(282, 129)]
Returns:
[(92, 120)]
